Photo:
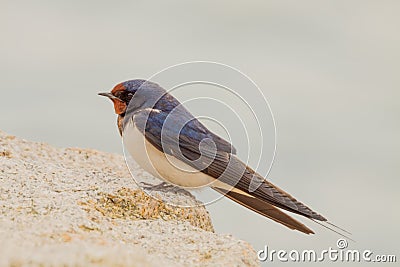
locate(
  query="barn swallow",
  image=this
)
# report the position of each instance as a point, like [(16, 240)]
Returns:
[(157, 128)]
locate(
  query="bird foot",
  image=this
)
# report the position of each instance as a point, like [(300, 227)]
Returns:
[(164, 187)]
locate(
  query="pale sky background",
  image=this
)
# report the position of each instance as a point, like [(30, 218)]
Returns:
[(329, 69)]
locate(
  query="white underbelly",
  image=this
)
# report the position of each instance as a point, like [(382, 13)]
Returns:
[(159, 165)]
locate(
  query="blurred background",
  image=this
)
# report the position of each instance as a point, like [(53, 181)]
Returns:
[(329, 69)]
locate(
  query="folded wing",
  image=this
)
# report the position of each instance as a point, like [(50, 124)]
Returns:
[(257, 194)]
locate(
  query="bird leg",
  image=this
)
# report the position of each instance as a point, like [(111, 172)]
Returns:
[(164, 187)]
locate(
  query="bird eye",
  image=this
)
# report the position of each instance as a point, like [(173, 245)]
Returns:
[(125, 96), (118, 94)]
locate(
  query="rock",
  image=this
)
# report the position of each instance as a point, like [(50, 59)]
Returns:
[(80, 207)]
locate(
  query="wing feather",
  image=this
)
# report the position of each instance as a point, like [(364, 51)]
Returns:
[(226, 167)]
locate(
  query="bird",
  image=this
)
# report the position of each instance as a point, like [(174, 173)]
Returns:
[(167, 141)]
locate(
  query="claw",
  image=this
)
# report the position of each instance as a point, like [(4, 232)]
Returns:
[(164, 187)]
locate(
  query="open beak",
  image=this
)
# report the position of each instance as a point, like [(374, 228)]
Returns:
[(109, 95)]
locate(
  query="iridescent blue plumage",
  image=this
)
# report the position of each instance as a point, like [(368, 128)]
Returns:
[(165, 112)]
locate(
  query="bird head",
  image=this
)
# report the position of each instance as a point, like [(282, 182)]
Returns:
[(122, 94)]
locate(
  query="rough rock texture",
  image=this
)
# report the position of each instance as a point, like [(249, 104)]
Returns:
[(80, 207)]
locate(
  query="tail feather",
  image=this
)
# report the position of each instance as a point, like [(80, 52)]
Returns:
[(334, 230), (265, 209), (338, 227)]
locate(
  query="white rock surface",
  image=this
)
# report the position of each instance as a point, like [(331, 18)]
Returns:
[(80, 207)]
